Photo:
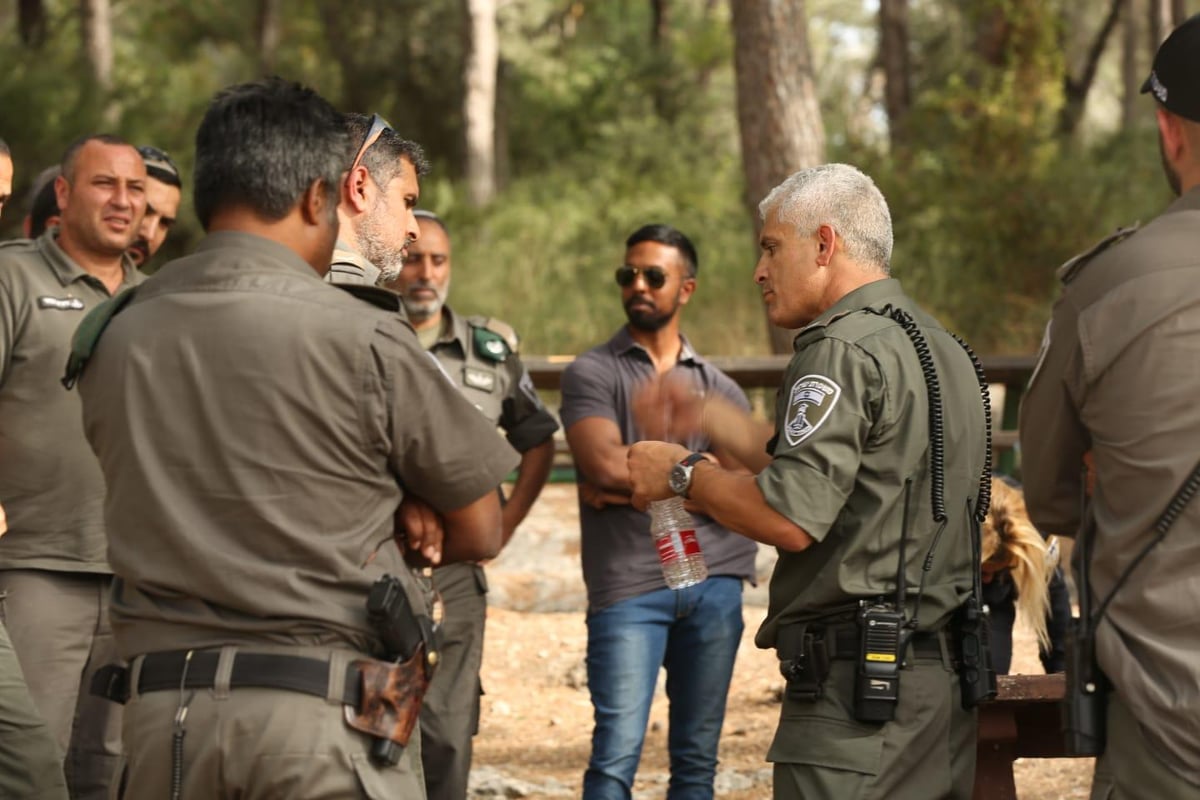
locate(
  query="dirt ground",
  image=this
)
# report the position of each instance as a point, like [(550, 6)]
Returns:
[(536, 719)]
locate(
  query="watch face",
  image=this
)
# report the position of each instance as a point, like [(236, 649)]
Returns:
[(679, 479)]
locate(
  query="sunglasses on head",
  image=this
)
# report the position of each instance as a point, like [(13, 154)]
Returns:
[(655, 276), (378, 126)]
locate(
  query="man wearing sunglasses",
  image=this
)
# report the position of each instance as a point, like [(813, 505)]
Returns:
[(164, 191), (635, 623), (376, 203), (480, 356)]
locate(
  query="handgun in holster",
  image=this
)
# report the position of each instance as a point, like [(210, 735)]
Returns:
[(393, 692), (973, 641)]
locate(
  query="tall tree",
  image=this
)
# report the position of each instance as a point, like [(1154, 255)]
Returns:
[(479, 99), (266, 31), (96, 29), (1131, 74), (31, 22), (1079, 85), (893, 60), (778, 114)]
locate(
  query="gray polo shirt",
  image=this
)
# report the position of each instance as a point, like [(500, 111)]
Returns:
[(619, 557), (50, 484), (257, 446)]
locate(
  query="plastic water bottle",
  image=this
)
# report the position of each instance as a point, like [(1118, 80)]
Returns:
[(674, 535)]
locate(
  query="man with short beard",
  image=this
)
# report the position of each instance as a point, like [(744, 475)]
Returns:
[(1115, 391), (375, 208), (480, 356), (164, 191), (53, 567), (635, 623)]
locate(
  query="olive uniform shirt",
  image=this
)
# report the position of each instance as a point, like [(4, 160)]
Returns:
[(1118, 375), (350, 267), (852, 425), (50, 483), (480, 355), (256, 447)]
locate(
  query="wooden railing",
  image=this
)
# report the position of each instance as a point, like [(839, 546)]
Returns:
[(766, 372)]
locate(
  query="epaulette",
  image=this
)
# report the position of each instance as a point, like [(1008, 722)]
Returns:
[(93, 324), (493, 339), (24, 244), (380, 298), (1067, 272)]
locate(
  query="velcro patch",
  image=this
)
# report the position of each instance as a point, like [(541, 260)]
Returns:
[(60, 303), (810, 402)]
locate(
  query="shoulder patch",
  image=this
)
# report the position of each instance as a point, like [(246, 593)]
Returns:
[(83, 343), (494, 340), (1067, 272), (810, 402), (380, 298)]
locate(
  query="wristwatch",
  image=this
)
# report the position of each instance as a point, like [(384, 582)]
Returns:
[(680, 479)]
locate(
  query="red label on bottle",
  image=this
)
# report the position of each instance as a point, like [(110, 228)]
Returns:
[(677, 544)]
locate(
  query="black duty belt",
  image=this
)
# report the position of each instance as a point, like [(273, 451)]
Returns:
[(173, 669), (843, 641)]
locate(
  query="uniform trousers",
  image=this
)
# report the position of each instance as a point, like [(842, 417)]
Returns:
[(258, 744), (1129, 769), (450, 713), (926, 753), (30, 761), (58, 623)]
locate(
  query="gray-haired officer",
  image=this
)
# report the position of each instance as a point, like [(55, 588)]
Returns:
[(256, 449), (1117, 378), (870, 481), (480, 356)]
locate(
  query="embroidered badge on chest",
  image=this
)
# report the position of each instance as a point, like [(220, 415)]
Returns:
[(479, 379), (60, 303), (810, 402)]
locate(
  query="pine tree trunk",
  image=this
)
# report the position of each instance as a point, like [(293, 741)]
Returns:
[(778, 114), (479, 100), (893, 59)]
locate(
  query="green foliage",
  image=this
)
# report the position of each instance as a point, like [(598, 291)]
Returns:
[(603, 129)]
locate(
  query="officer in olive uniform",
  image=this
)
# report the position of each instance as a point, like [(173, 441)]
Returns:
[(53, 572), (376, 202), (30, 761), (256, 449), (480, 356), (1117, 378), (852, 482)]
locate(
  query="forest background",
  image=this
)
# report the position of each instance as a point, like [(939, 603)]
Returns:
[(1006, 134)]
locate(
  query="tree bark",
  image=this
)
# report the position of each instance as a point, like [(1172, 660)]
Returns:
[(479, 100), (1162, 22), (778, 114), (1077, 88), (31, 22), (266, 31), (893, 59), (96, 28), (1131, 68)]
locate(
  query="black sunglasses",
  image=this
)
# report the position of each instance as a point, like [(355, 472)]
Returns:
[(378, 126), (655, 276)]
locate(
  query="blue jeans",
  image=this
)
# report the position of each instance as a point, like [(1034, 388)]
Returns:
[(694, 633)]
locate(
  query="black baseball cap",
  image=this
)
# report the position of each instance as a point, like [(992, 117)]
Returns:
[(1175, 77)]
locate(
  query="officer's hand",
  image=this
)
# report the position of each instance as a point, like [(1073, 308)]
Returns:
[(668, 408), (3, 522), (419, 530), (649, 466)]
